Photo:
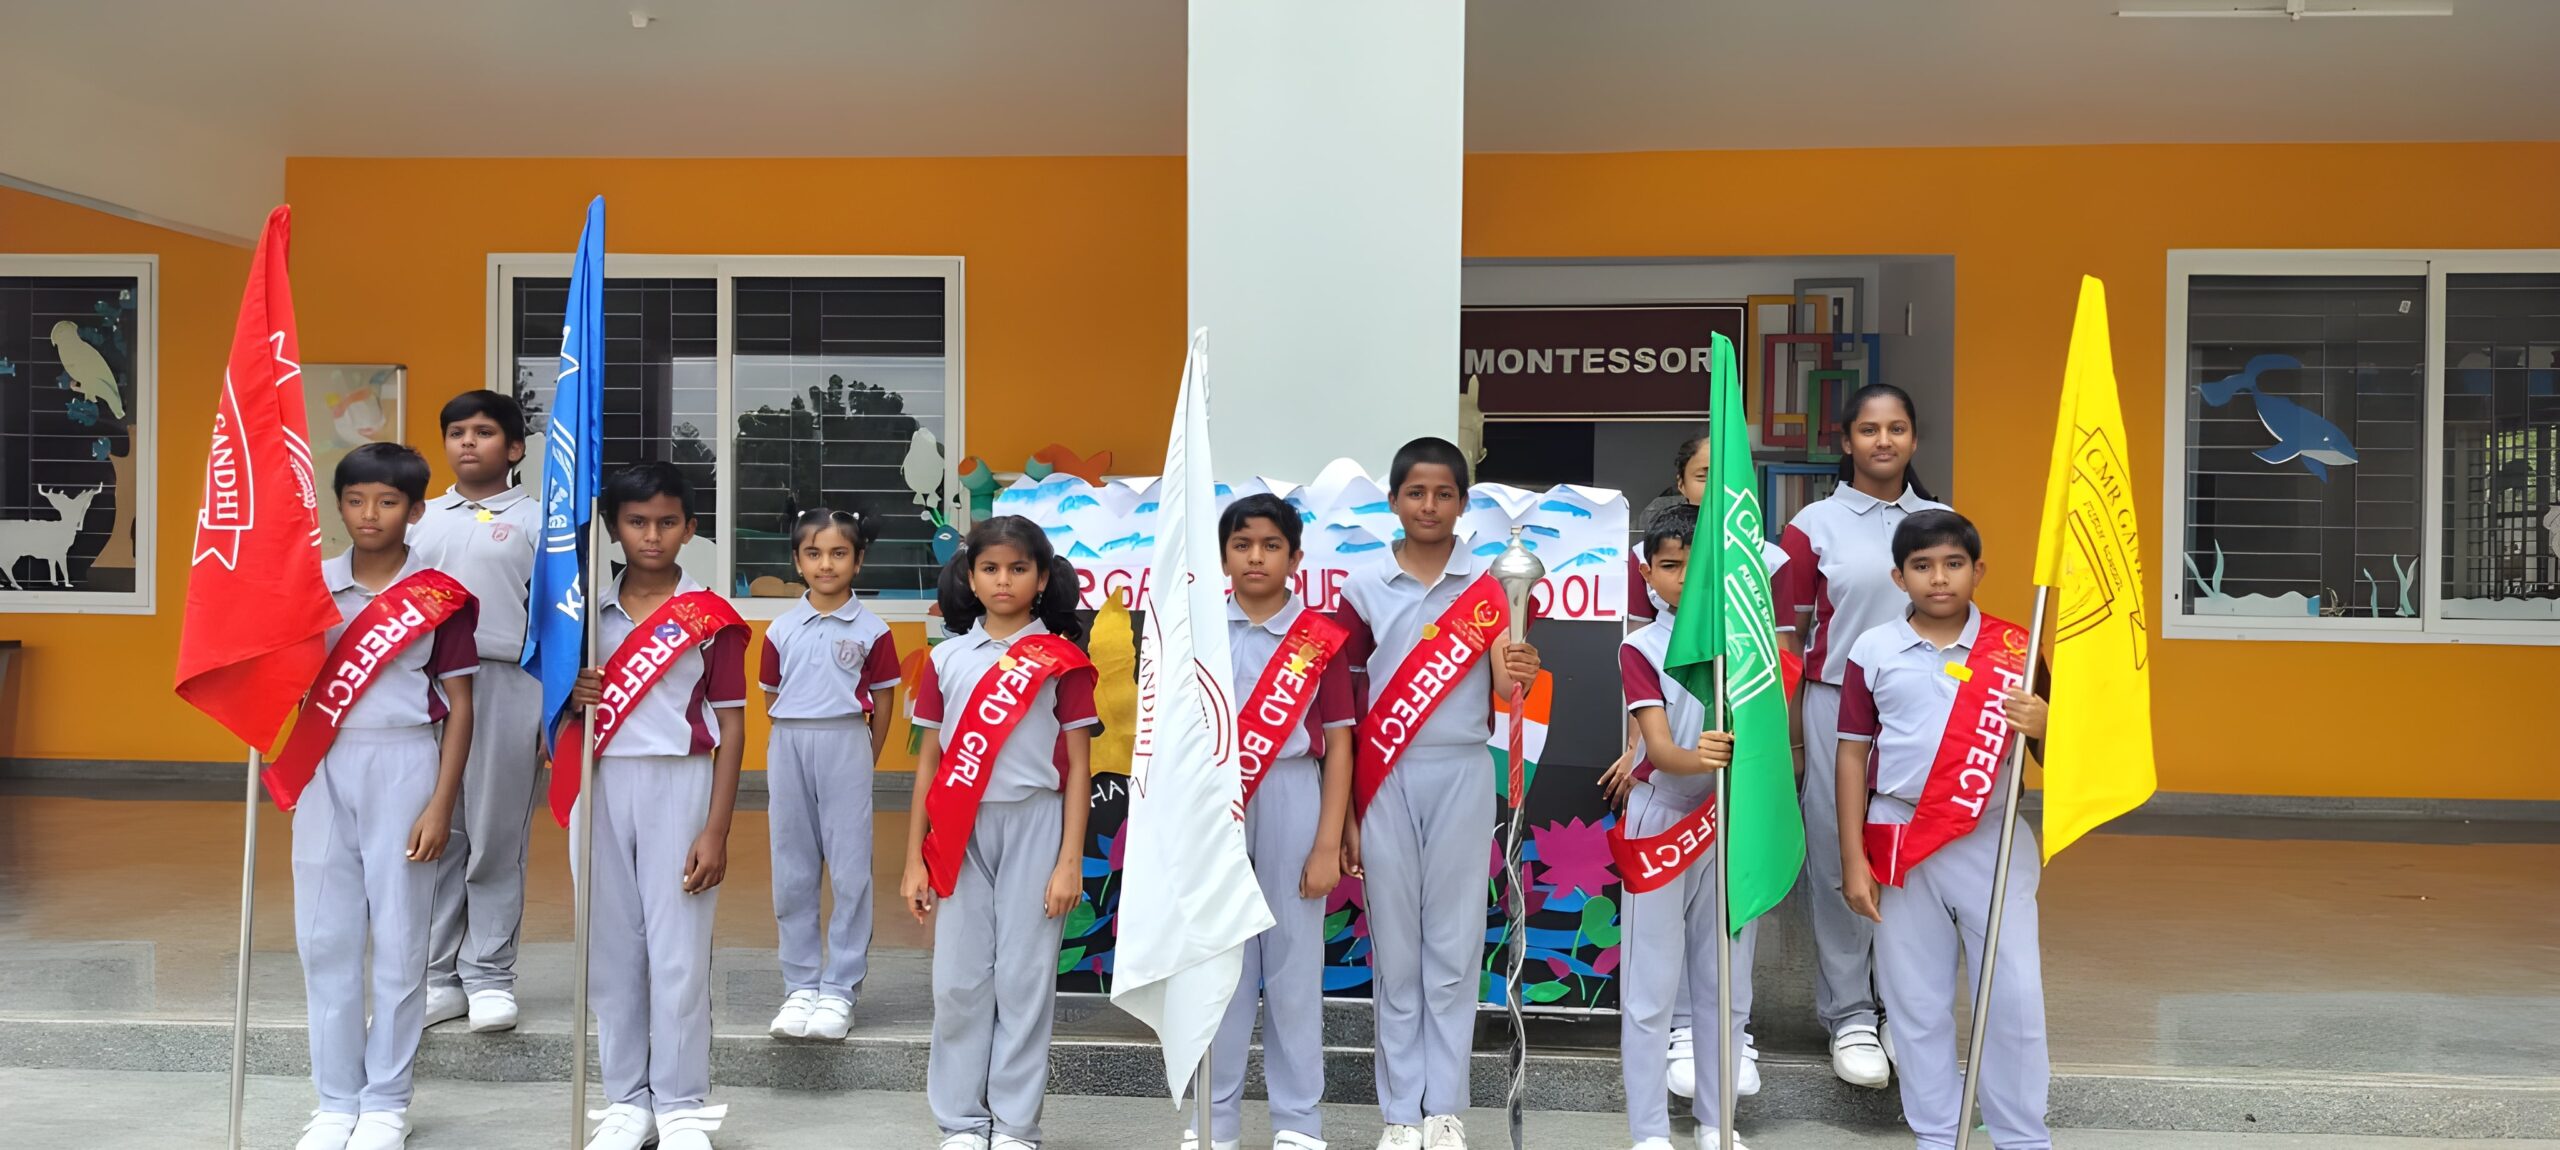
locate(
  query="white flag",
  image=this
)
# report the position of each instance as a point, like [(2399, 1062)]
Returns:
[(1188, 899)]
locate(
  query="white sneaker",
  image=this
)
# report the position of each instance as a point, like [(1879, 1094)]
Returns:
[(831, 1019), (1009, 1142), (327, 1130), (1287, 1140), (621, 1126), (1398, 1137), (793, 1021), (1683, 1067), (1191, 1141), (1746, 1073), (380, 1130), (1443, 1132), (1707, 1139), (689, 1129), (1857, 1056), (1654, 1144), (492, 1010), (964, 1142), (446, 1003)]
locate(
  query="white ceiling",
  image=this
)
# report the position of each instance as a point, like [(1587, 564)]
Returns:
[(168, 101)]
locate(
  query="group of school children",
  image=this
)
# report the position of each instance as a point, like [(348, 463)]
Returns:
[(1364, 757)]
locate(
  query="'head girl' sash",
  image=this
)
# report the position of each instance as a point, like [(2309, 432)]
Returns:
[(1969, 755), (1281, 697), (971, 743), (402, 614), (678, 625), (1404, 702)]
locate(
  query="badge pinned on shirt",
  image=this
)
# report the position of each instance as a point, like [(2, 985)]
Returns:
[(849, 653), (484, 515), (1959, 672)]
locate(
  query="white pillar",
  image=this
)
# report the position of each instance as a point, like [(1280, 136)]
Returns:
[(1326, 178)]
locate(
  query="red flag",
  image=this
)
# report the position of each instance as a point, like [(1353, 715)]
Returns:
[(257, 608)]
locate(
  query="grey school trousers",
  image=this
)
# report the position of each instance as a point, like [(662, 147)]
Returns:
[(1669, 956), (1283, 966), (1427, 845), (819, 775), (649, 956), (995, 975), (1843, 942), (354, 888), (479, 912)]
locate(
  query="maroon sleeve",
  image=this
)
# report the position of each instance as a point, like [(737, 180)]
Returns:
[(880, 668), (925, 710), (1858, 719), (724, 668), (1075, 700), (1799, 581), (1639, 603), (457, 649), (1356, 649), (770, 676), (1333, 705), (1643, 683)]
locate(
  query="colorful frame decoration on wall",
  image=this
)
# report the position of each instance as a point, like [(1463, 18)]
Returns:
[(1785, 403), (345, 406), (78, 416), (1764, 316)]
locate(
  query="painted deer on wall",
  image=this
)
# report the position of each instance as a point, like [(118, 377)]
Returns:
[(45, 540)]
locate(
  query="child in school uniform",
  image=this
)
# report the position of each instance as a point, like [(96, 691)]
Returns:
[(482, 531), (1423, 789), (1294, 713), (830, 676), (1925, 700), (376, 815), (995, 837), (665, 787), (1669, 955), (1838, 584)]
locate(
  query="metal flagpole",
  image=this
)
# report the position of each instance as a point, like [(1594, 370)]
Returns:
[(583, 856), (1200, 1111), (1999, 892), (1724, 936), (248, 913)]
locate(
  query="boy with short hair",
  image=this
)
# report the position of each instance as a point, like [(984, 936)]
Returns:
[(368, 831), (1422, 788), (1926, 711), (482, 531)]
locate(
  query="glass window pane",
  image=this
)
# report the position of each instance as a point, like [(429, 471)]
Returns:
[(840, 402), (2502, 447), (661, 384), (70, 401), (2303, 469)]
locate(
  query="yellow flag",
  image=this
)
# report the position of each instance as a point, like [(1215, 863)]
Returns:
[(1115, 688), (2097, 746)]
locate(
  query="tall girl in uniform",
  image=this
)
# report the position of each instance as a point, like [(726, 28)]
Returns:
[(830, 677), (1839, 582), (995, 836)]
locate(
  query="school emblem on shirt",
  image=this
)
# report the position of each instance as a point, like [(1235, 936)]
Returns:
[(849, 653), (499, 533)]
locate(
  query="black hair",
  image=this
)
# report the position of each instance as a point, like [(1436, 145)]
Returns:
[(1428, 449), (1934, 528), (393, 465), (1856, 403), (817, 519), (641, 482), (1675, 524), (500, 409), (1689, 449), (1056, 606), (1263, 506)]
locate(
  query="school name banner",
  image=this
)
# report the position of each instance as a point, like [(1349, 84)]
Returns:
[(1109, 532)]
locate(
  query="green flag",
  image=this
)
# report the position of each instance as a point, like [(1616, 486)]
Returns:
[(1725, 612)]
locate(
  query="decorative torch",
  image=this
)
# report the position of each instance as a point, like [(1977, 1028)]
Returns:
[(1518, 570)]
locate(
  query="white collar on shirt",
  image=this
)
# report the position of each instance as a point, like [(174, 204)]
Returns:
[(1860, 502), (339, 571), (1280, 620), (977, 635), (849, 610), (453, 498), (613, 601), (1910, 636), (1462, 563)]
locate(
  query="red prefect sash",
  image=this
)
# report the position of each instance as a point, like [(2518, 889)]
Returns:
[(1399, 706), (1969, 755), (678, 625), (402, 614), (1281, 697), (970, 746)]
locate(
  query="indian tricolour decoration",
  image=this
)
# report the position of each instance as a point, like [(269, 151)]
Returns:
[(1108, 532)]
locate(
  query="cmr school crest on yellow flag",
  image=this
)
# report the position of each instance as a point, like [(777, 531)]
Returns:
[(2097, 747)]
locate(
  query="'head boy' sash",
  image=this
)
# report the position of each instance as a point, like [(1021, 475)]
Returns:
[(1969, 755), (1281, 697), (678, 625), (1400, 706), (971, 743), (402, 614)]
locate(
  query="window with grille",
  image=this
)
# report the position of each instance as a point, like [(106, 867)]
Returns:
[(77, 396)]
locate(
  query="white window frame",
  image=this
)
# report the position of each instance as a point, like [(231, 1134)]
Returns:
[(2430, 626), (506, 267), (143, 599)]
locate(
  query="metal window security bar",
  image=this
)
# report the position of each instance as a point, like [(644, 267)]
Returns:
[(2501, 416)]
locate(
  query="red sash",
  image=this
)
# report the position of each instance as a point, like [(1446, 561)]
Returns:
[(678, 625), (1400, 706), (1969, 757), (971, 743), (1281, 697), (402, 614)]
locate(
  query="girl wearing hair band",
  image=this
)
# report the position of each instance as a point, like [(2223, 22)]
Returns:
[(1839, 572), (830, 676)]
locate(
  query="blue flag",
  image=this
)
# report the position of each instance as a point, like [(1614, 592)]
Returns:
[(572, 468)]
